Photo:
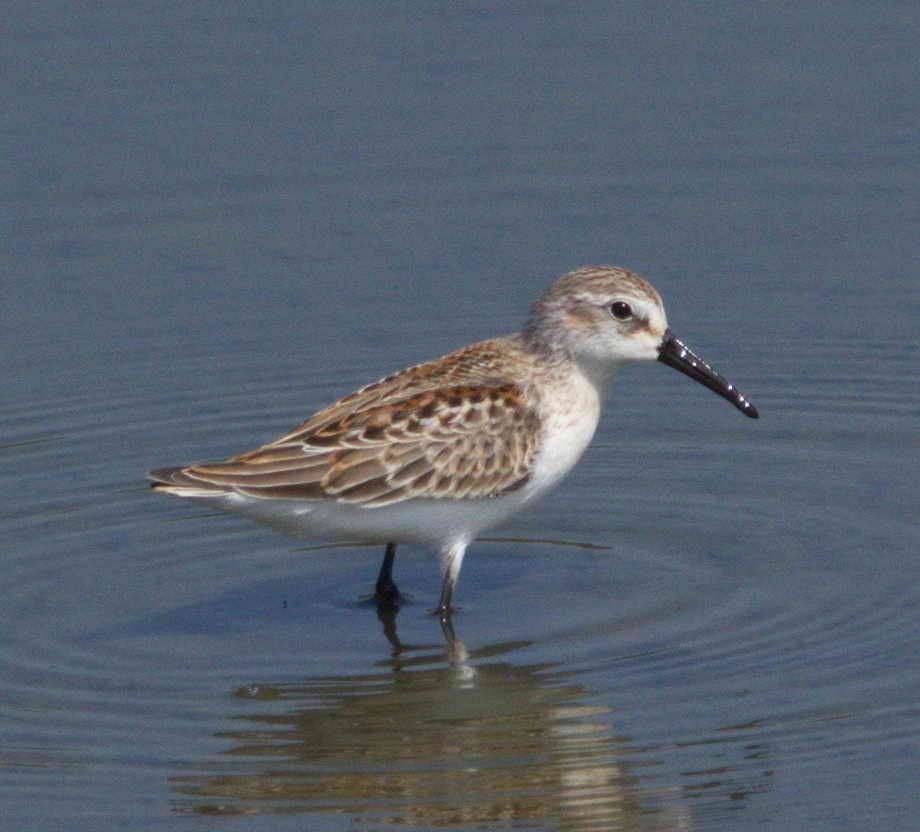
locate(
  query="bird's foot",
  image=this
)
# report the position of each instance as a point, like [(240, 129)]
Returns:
[(388, 595)]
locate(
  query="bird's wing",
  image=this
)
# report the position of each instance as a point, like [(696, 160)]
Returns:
[(483, 364), (455, 441)]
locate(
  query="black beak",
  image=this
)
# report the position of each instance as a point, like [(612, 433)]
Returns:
[(679, 356)]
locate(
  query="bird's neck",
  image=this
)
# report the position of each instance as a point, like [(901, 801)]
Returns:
[(561, 361)]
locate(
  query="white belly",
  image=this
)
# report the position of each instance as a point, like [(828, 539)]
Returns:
[(430, 522)]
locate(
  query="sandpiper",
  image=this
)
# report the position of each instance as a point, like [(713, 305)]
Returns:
[(440, 451)]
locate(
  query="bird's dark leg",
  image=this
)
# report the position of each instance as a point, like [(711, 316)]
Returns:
[(447, 627), (447, 590), (386, 614), (386, 591)]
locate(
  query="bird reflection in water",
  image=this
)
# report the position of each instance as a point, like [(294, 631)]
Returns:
[(435, 736)]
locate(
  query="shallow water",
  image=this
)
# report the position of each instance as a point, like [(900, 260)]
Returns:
[(219, 223)]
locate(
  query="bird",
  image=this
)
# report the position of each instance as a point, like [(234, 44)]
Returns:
[(440, 451)]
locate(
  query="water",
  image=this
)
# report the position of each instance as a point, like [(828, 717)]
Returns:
[(216, 220)]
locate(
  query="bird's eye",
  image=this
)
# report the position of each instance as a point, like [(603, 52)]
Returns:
[(621, 311)]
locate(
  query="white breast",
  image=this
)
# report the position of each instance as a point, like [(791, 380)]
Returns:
[(571, 410)]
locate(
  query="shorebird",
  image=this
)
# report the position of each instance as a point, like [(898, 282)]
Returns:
[(438, 452)]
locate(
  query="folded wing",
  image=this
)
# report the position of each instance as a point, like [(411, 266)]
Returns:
[(462, 441)]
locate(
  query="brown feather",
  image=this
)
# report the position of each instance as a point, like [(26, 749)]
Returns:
[(448, 429)]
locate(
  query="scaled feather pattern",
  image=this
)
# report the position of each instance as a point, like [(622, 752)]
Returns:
[(450, 429)]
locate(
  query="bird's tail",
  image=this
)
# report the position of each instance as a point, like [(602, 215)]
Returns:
[(177, 481)]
